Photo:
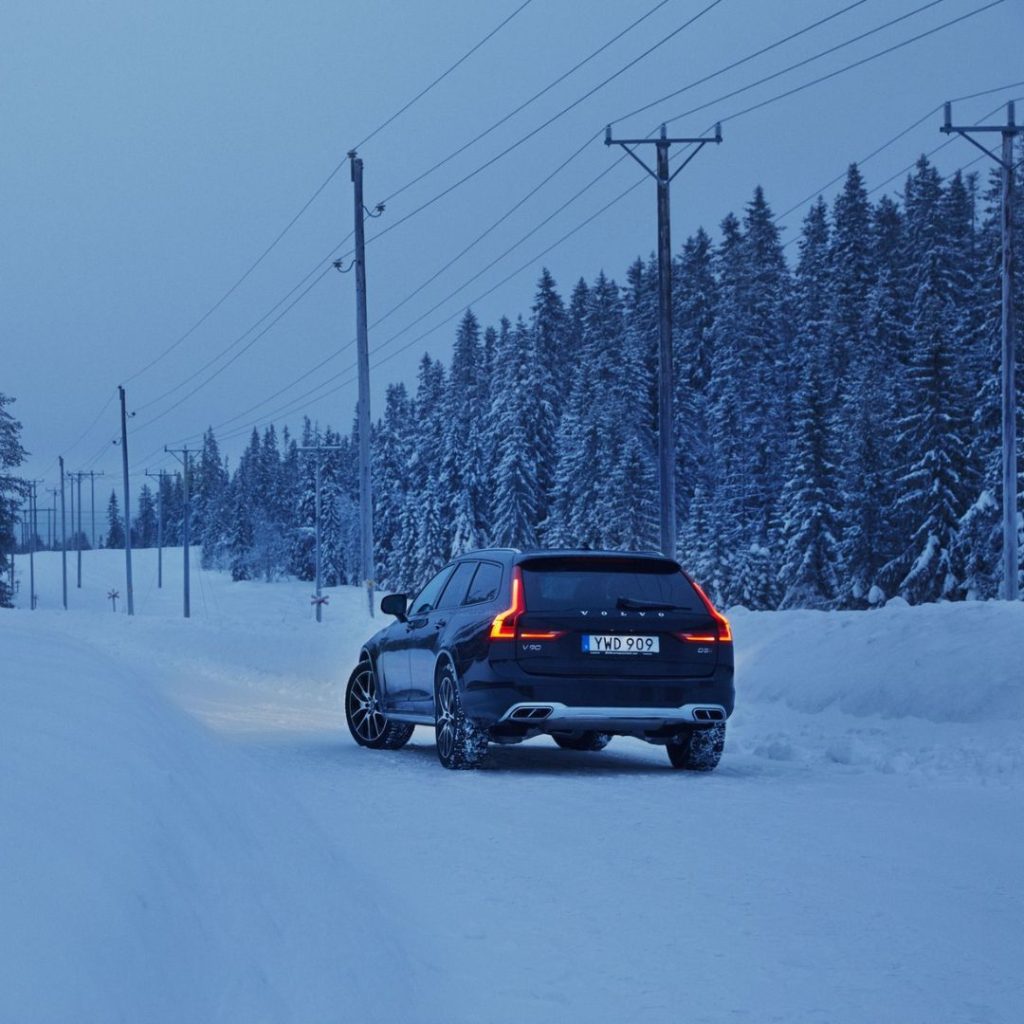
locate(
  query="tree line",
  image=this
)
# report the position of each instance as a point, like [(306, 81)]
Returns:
[(837, 421)]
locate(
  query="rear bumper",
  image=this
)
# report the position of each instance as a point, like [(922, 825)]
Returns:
[(554, 717), (627, 706)]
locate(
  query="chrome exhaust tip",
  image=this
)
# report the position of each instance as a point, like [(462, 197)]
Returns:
[(532, 713)]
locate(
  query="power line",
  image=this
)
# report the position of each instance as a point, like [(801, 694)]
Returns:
[(665, 39), (322, 265), (440, 78), (932, 152), (240, 352), (885, 145), (522, 106), (433, 308), (738, 63), (843, 70), (294, 404), (760, 105), (316, 194), (550, 121), (451, 188)]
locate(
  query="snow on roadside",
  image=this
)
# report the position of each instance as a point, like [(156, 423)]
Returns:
[(149, 872), (936, 690)]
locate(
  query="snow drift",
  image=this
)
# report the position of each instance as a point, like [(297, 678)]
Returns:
[(150, 873)]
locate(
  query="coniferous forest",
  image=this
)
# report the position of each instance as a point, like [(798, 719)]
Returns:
[(837, 420)]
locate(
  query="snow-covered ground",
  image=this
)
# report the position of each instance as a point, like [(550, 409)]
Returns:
[(187, 833)]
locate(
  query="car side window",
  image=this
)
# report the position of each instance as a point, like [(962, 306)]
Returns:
[(458, 582), (426, 599), (486, 584)]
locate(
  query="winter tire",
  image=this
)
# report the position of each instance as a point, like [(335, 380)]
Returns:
[(460, 743), (365, 715), (587, 740), (697, 750)]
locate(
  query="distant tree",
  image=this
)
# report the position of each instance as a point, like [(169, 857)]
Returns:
[(12, 492), (115, 524), (145, 523)]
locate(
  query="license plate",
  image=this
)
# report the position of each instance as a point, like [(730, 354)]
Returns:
[(594, 643)]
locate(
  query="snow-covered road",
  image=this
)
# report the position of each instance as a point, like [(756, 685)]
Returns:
[(244, 860)]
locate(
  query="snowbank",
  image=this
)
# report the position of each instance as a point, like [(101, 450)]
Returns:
[(959, 662), (151, 873)]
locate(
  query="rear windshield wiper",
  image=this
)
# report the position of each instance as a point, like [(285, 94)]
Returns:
[(635, 604)]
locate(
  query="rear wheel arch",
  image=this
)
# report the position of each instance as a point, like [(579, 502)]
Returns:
[(444, 660)]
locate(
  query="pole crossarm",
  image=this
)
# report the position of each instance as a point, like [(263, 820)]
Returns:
[(1011, 129)]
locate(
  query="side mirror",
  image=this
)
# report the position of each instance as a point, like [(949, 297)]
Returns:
[(395, 604)]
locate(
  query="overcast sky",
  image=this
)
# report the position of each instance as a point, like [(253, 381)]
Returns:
[(153, 150)]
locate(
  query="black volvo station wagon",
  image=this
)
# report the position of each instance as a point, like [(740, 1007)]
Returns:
[(502, 645)]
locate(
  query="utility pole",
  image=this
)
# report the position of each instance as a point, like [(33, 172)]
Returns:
[(32, 545), (318, 601), (51, 519), (666, 423), (92, 504), (63, 539), (127, 508), (363, 353), (159, 527), (76, 478), (1009, 131), (183, 455), (71, 489)]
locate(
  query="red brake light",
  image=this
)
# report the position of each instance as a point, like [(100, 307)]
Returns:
[(724, 629), (504, 625), (553, 634), (698, 638)]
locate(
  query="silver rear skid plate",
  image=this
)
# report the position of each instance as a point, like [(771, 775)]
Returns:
[(547, 713)]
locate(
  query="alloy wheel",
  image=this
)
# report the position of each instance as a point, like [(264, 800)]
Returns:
[(445, 717), (364, 710)]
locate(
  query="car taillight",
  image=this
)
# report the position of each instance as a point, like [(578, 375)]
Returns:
[(724, 629), (504, 625), (552, 634)]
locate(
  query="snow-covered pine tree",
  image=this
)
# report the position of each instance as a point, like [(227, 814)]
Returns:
[(586, 433), (930, 443), (629, 497), (872, 403), (243, 502), (712, 541), (852, 274), (549, 381), (427, 535), (462, 473), (12, 492), (144, 525), (210, 482), (302, 553), (768, 322), (336, 509), (694, 299), (392, 449), (516, 414), (115, 524), (809, 576)]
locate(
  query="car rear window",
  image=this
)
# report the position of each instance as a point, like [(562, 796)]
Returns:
[(567, 584)]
